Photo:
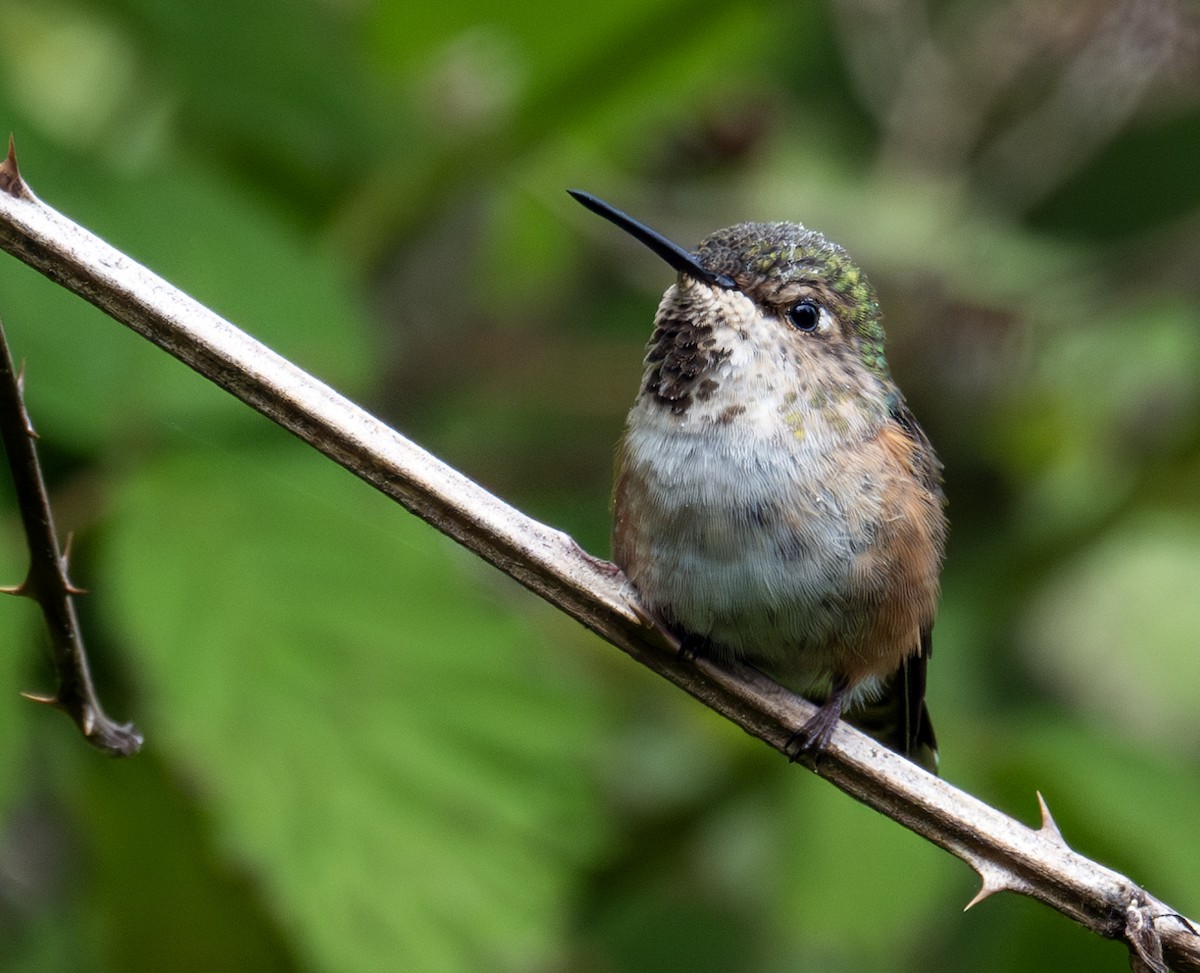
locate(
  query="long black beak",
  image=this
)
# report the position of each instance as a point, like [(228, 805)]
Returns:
[(672, 253)]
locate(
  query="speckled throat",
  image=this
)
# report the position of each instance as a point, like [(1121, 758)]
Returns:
[(682, 360)]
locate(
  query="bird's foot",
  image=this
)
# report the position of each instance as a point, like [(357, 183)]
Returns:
[(812, 739)]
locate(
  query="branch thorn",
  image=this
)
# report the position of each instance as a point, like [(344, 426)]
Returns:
[(1049, 828), (10, 176), (64, 561), (25, 419), (995, 879), (44, 700)]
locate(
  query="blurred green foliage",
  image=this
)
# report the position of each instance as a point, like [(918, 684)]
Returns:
[(368, 751)]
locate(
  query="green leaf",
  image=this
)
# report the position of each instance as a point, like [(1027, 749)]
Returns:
[(272, 84), (388, 746), (156, 895), (838, 861), (1114, 631)]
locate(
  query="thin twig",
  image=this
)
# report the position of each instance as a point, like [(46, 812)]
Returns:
[(1007, 854), (46, 581)]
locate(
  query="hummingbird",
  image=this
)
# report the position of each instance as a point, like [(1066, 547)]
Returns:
[(775, 501)]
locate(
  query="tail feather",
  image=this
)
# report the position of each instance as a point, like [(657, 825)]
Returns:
[(899, 718)]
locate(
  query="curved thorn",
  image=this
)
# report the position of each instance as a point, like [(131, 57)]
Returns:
[(994, 880), (44, 700)]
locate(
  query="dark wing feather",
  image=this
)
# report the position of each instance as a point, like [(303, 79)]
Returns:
[(899, 718)]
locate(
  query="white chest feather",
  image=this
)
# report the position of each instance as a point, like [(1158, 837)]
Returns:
[(745, 524)]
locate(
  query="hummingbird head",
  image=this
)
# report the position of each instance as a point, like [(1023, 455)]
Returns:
[(804, 290)]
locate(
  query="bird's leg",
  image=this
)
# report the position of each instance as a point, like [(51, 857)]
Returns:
[(812, 738)]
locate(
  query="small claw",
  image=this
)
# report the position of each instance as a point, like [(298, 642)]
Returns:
[(1182, 920), (1145, 944)]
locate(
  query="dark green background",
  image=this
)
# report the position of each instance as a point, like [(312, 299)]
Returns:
[(366, 750)]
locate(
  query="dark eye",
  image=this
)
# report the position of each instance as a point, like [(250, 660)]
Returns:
[(804, 315)]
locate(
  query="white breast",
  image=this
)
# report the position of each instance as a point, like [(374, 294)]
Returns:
[(746, 531)]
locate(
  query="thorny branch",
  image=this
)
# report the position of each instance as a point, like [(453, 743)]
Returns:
[(46, 581), (1005, 853)]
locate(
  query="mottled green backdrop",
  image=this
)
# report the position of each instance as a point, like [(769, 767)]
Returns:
[(368, 751)]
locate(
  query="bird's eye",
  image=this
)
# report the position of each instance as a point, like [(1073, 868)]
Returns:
[(805, 315)]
